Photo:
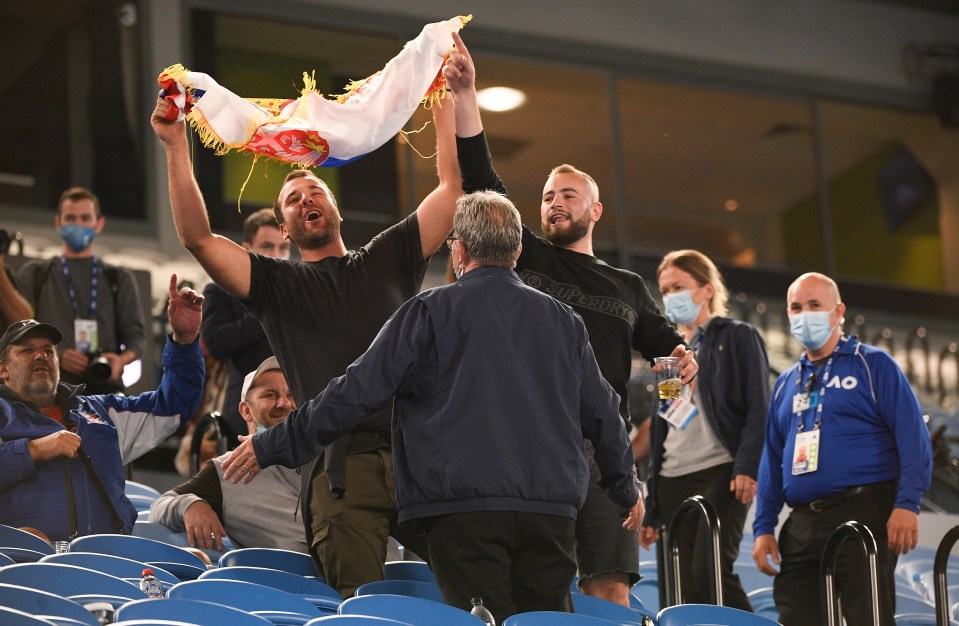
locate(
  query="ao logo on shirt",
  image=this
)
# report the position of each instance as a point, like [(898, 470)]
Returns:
[(847, 382)]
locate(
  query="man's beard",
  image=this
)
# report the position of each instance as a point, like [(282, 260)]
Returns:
[(306, 240), (39, 392), (567, 234)]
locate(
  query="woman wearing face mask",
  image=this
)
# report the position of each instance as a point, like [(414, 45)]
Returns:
[(716, 453)]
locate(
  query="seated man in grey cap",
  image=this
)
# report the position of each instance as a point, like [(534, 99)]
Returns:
[(263, 516), (62, 452)]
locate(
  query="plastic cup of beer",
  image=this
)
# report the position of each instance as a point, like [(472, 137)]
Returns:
[(667, 377)]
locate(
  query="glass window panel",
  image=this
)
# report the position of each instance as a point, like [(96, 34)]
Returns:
[(885, 170), (712, 170)]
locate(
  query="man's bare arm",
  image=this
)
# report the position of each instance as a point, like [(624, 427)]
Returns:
[(13, 306), (226, 262), (435, 213)]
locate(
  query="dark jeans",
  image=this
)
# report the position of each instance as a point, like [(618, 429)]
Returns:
[(801, 541), (515, 562), (713, 484)]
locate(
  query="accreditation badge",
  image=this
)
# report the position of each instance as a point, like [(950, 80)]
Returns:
[(86, 336), (805, 401), (806, 452), (678, 412)]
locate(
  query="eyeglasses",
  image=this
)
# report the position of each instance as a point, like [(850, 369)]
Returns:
[(450, 240)]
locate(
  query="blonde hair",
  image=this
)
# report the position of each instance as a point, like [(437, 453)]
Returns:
[(703, 271)]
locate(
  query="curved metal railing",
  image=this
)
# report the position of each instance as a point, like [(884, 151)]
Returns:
[(689, 507), (939, 576), (827, 570)]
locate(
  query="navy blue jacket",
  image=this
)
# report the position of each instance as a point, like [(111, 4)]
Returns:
[(734, 387), (495, 388)]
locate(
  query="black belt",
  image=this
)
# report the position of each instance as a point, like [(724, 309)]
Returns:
[(818, 506)]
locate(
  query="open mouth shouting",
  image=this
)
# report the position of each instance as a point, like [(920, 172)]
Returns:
[(313, 215), (558, 217)]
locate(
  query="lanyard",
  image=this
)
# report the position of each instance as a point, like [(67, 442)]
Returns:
[(822, 386), (94, 279)]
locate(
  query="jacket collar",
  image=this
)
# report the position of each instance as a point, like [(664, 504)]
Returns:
[(65, 398), (490, 271)]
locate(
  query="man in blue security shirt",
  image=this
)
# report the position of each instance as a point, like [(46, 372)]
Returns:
[(845, 440)]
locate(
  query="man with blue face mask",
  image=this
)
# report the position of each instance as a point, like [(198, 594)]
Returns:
[(845, 440), (261, 514), (95, 304)]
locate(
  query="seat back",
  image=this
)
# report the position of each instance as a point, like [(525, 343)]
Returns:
[(408, 570), (21, 546), (310, 589), (413, 588), (132, 488), (604, 609), (250, 597), (127, 569), (182, 564), (408, 609), (78, 583), (44, 604), (274, 558), (684, 614), (13, 617), (553, 618), (196, 611), (354, 620)]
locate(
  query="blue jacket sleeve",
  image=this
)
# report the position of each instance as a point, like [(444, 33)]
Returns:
[(145, 420), (902, 414), (769, 484), (602, 425), (368, 385)]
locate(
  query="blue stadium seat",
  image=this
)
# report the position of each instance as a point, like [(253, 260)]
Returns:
[(159, 532), (198, 612), (909, 604), (132, 488), (413, 588), (275, 605), (647, 592), (182, 564), (604, 609), (553, 618), (750, 576), (312, 590), (127, 569), (76, 583), (153, 622), (21, 546), (685, 614), (13, 617), (286, 560), (408, 570), (44, 604), (355, 620), (919, 619), (406, 609)]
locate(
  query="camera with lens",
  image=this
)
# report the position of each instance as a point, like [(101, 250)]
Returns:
[(100, 370), (5, 240)]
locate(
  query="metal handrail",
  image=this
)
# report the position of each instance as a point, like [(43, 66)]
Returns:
[(939, 575), (951, 350), (827, 570), (919, 334), (691, 505)]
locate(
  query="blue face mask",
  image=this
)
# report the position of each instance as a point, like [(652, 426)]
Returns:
[(260, 428), (680, 308), (78, 238), (811, 328)]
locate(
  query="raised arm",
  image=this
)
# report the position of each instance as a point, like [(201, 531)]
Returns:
[(13, 306), (435, 213), (226, 262)]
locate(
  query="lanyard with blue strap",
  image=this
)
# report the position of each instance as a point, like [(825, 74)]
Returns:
[(821, 394), (72, 292), (806, 446)]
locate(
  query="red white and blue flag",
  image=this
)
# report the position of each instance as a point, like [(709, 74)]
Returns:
[(313, 130)]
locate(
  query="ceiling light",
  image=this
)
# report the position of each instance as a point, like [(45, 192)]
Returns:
[(500, 99), (731, 205)]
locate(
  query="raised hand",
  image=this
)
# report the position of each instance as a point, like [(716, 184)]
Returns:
[(184, 312), (459, 70)]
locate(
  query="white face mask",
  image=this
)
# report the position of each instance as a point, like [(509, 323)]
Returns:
[(811, 328)]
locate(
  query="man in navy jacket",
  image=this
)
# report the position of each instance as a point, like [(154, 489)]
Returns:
[(61, 452), (495, 387)]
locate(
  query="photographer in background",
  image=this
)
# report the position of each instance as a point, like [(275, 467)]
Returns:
[(93, 303), (13, 306)]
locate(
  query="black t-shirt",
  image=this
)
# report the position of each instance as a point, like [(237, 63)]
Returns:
[(615, 304), (320, 316)]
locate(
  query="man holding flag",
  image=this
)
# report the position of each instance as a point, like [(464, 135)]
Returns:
[(319, 315)]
